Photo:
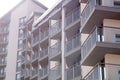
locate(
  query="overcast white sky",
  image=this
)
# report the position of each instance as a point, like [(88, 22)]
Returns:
[(7, 5)]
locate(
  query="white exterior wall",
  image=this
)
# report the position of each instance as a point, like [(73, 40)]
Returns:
[(21, 11), (112, 71), (110, 33)]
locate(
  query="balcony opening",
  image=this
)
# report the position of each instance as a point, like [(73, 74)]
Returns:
[(117, 4)]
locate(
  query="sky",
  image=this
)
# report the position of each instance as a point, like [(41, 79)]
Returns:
[(7, 5)]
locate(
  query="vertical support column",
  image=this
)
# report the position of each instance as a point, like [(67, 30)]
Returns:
[(49, 44), (63, 43)]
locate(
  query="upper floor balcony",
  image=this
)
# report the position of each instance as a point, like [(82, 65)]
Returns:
[(3, 62), (55, 28), (34, 73), (4, 30), (44, 35), (97, 45), (72, 45), (55, 73), (72, 18), (27, 73), (55, 51), (4, 42), (94, 13), (73, 73), (43, 73), (3, 52), (35, 57), (36, 39), (103, 72), (2, 75), (43, 54)]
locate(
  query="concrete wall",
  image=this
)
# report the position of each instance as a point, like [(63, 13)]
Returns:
[(112, 71), (107, 2), (24, 9), (32, 6), (110, 33)]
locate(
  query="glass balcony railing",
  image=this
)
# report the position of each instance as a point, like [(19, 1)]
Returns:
[(2, 62), (34, 72), (90, 42), (4, 30), (55, 28), (27, 73), (35, 39), (72, 17), (43, 53), (3, 51), (88, 9), (103, 71), (44, 34), (35, 56), (43, 72), (73, 43), (22, 72), (55, 72), (55, 49), (73, 73)]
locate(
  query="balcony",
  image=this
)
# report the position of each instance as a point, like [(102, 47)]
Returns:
[(44, 35), (74, 73), (43, 54), (55, 73), (36, 39), (55, 28), (72, 45), (22, 73), (34, 73), (55, 51), (4, 42), (94, 13), (2, 75), (35, 56), (4, 30), (95, 47), (103, 72), (43, 73), (2, 63), (73, 18), (3, 52), (27, 73)]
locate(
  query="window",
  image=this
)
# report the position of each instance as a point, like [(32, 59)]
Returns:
[(18, 76), (117, 37), (117, 4), (22, 21)]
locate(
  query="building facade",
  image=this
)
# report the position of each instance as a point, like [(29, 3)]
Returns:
[(100, 39), (74, 40)]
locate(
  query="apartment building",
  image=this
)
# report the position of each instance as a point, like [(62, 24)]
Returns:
[(4, 33), (53, 45), (74, 40), (100, 47), (11, 26)]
